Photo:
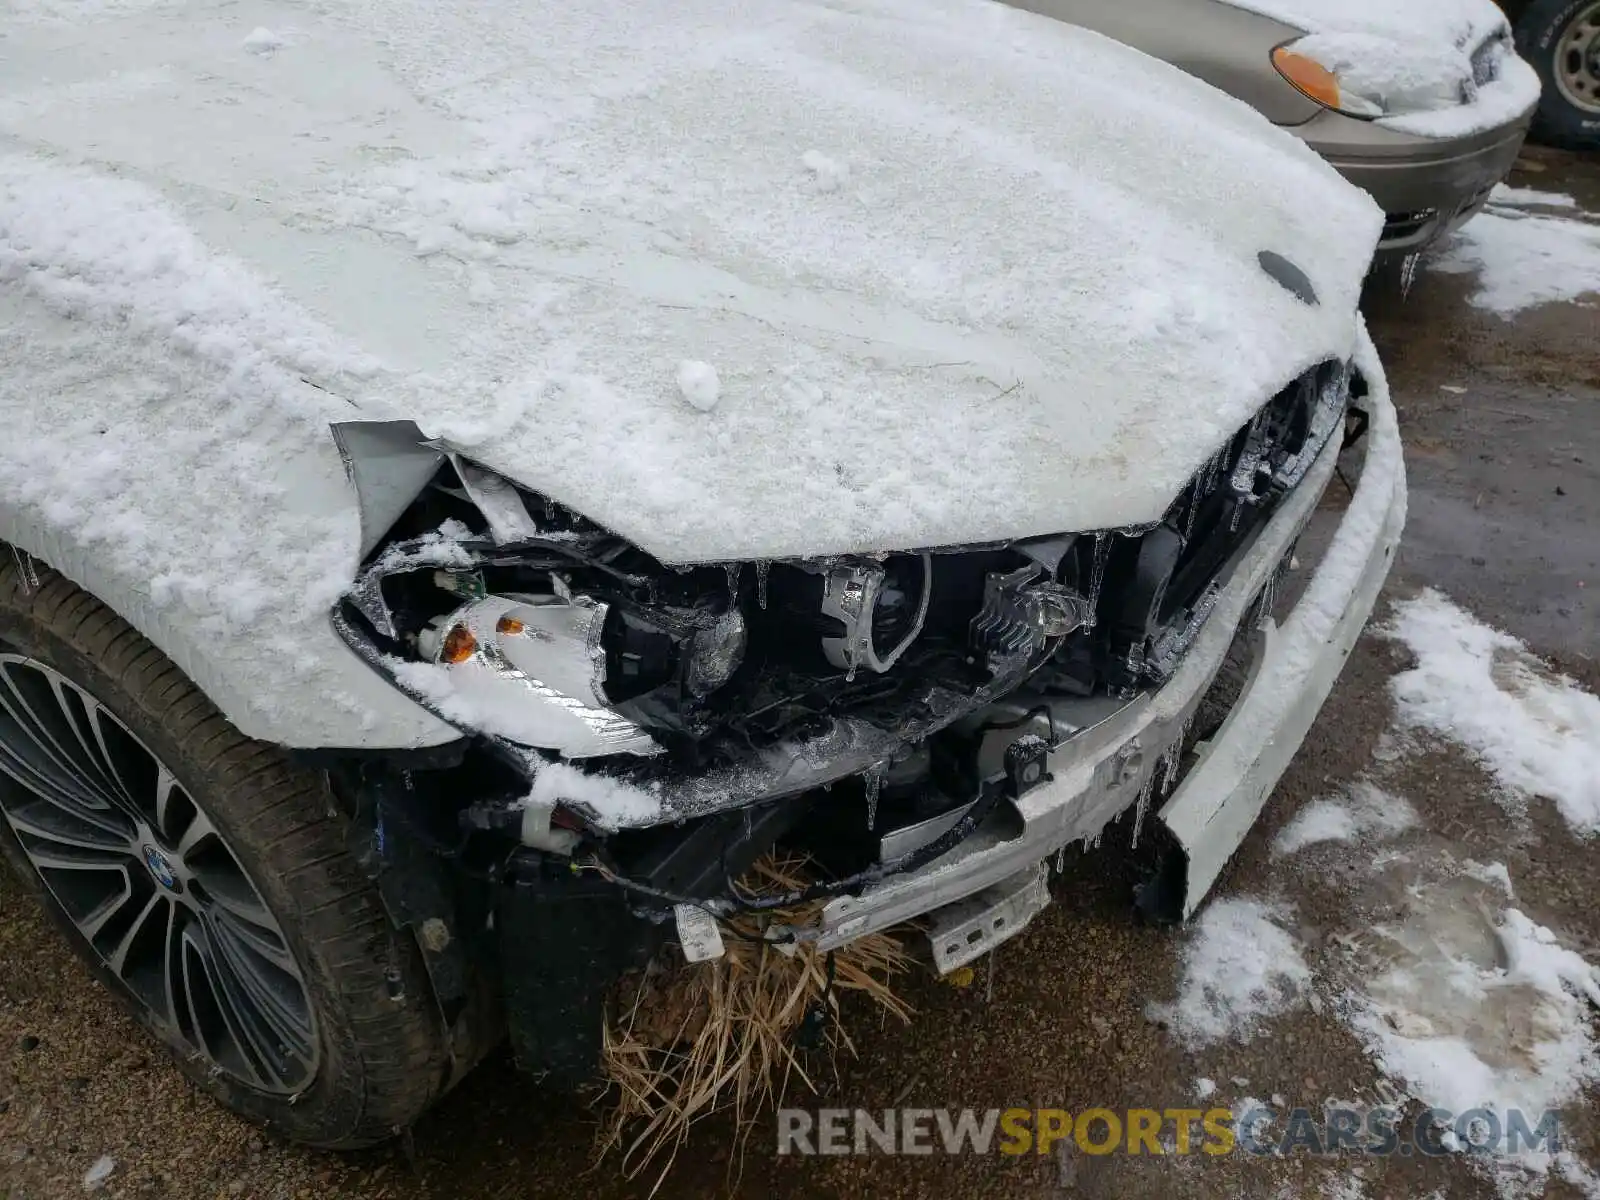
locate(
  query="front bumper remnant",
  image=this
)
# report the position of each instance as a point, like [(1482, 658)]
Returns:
[(1109, 767), (1224, 792)]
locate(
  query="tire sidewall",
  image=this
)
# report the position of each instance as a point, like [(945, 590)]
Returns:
[(1538, 32)]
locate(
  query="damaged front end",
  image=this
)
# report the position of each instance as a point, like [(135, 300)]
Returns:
[(641, 732)]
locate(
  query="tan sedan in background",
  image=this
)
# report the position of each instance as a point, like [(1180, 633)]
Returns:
[(1424, 104)]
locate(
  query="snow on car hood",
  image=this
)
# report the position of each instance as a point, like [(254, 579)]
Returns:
[(1425, 22), (736, 279), (1418, 56)]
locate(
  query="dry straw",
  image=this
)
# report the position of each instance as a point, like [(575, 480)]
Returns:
[(690, 1039)]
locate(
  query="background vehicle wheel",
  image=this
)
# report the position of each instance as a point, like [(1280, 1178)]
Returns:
[(203, 877), (1561, 38)]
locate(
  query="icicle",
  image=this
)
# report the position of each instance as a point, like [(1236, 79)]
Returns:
[(1268, 600), (873, 781), (1408, 274), (763, 569), (1061, 859), (1097, 576), (1145, 793), (1194, 511), (1175, 758), (734, 570), (30, 577)]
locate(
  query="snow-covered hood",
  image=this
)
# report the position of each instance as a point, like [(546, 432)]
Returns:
[(1440, 68), (736, 278)]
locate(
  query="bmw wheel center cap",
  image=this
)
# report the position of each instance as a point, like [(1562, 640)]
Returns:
[(161, 867)]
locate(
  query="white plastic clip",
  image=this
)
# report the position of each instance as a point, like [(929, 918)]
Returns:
[(698, 933)]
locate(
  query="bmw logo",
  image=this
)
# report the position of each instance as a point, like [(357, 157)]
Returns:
[(161, 868)]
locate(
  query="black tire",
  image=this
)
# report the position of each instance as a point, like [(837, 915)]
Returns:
[(1542, 31), (380, 1058)]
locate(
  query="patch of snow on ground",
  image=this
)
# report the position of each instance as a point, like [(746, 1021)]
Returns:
[(1468, 1003), (1461, 997), (1538, 733), (1205, 1088), (1518, 197), (95, 1177), (1365, 808), (1569, 1167), (1239, 967), (1522, 261), (1319, 821), (1490, 873)]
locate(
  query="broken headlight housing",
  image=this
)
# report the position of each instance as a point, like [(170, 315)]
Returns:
[(533, 669), (717, 684)]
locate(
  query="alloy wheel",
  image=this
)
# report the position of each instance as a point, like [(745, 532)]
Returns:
[(149, 882)]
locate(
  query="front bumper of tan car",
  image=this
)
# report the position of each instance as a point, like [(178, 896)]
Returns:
[(1427, 187)]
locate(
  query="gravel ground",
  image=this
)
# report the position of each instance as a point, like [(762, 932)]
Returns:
[(1505, 517)]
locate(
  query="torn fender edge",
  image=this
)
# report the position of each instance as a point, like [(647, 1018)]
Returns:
[(1224, 792), (388, 464)]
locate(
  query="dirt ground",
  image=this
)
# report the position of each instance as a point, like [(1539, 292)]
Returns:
[(1502, 426)]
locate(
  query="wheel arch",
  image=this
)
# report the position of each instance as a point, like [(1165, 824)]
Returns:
[(380, 717)]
